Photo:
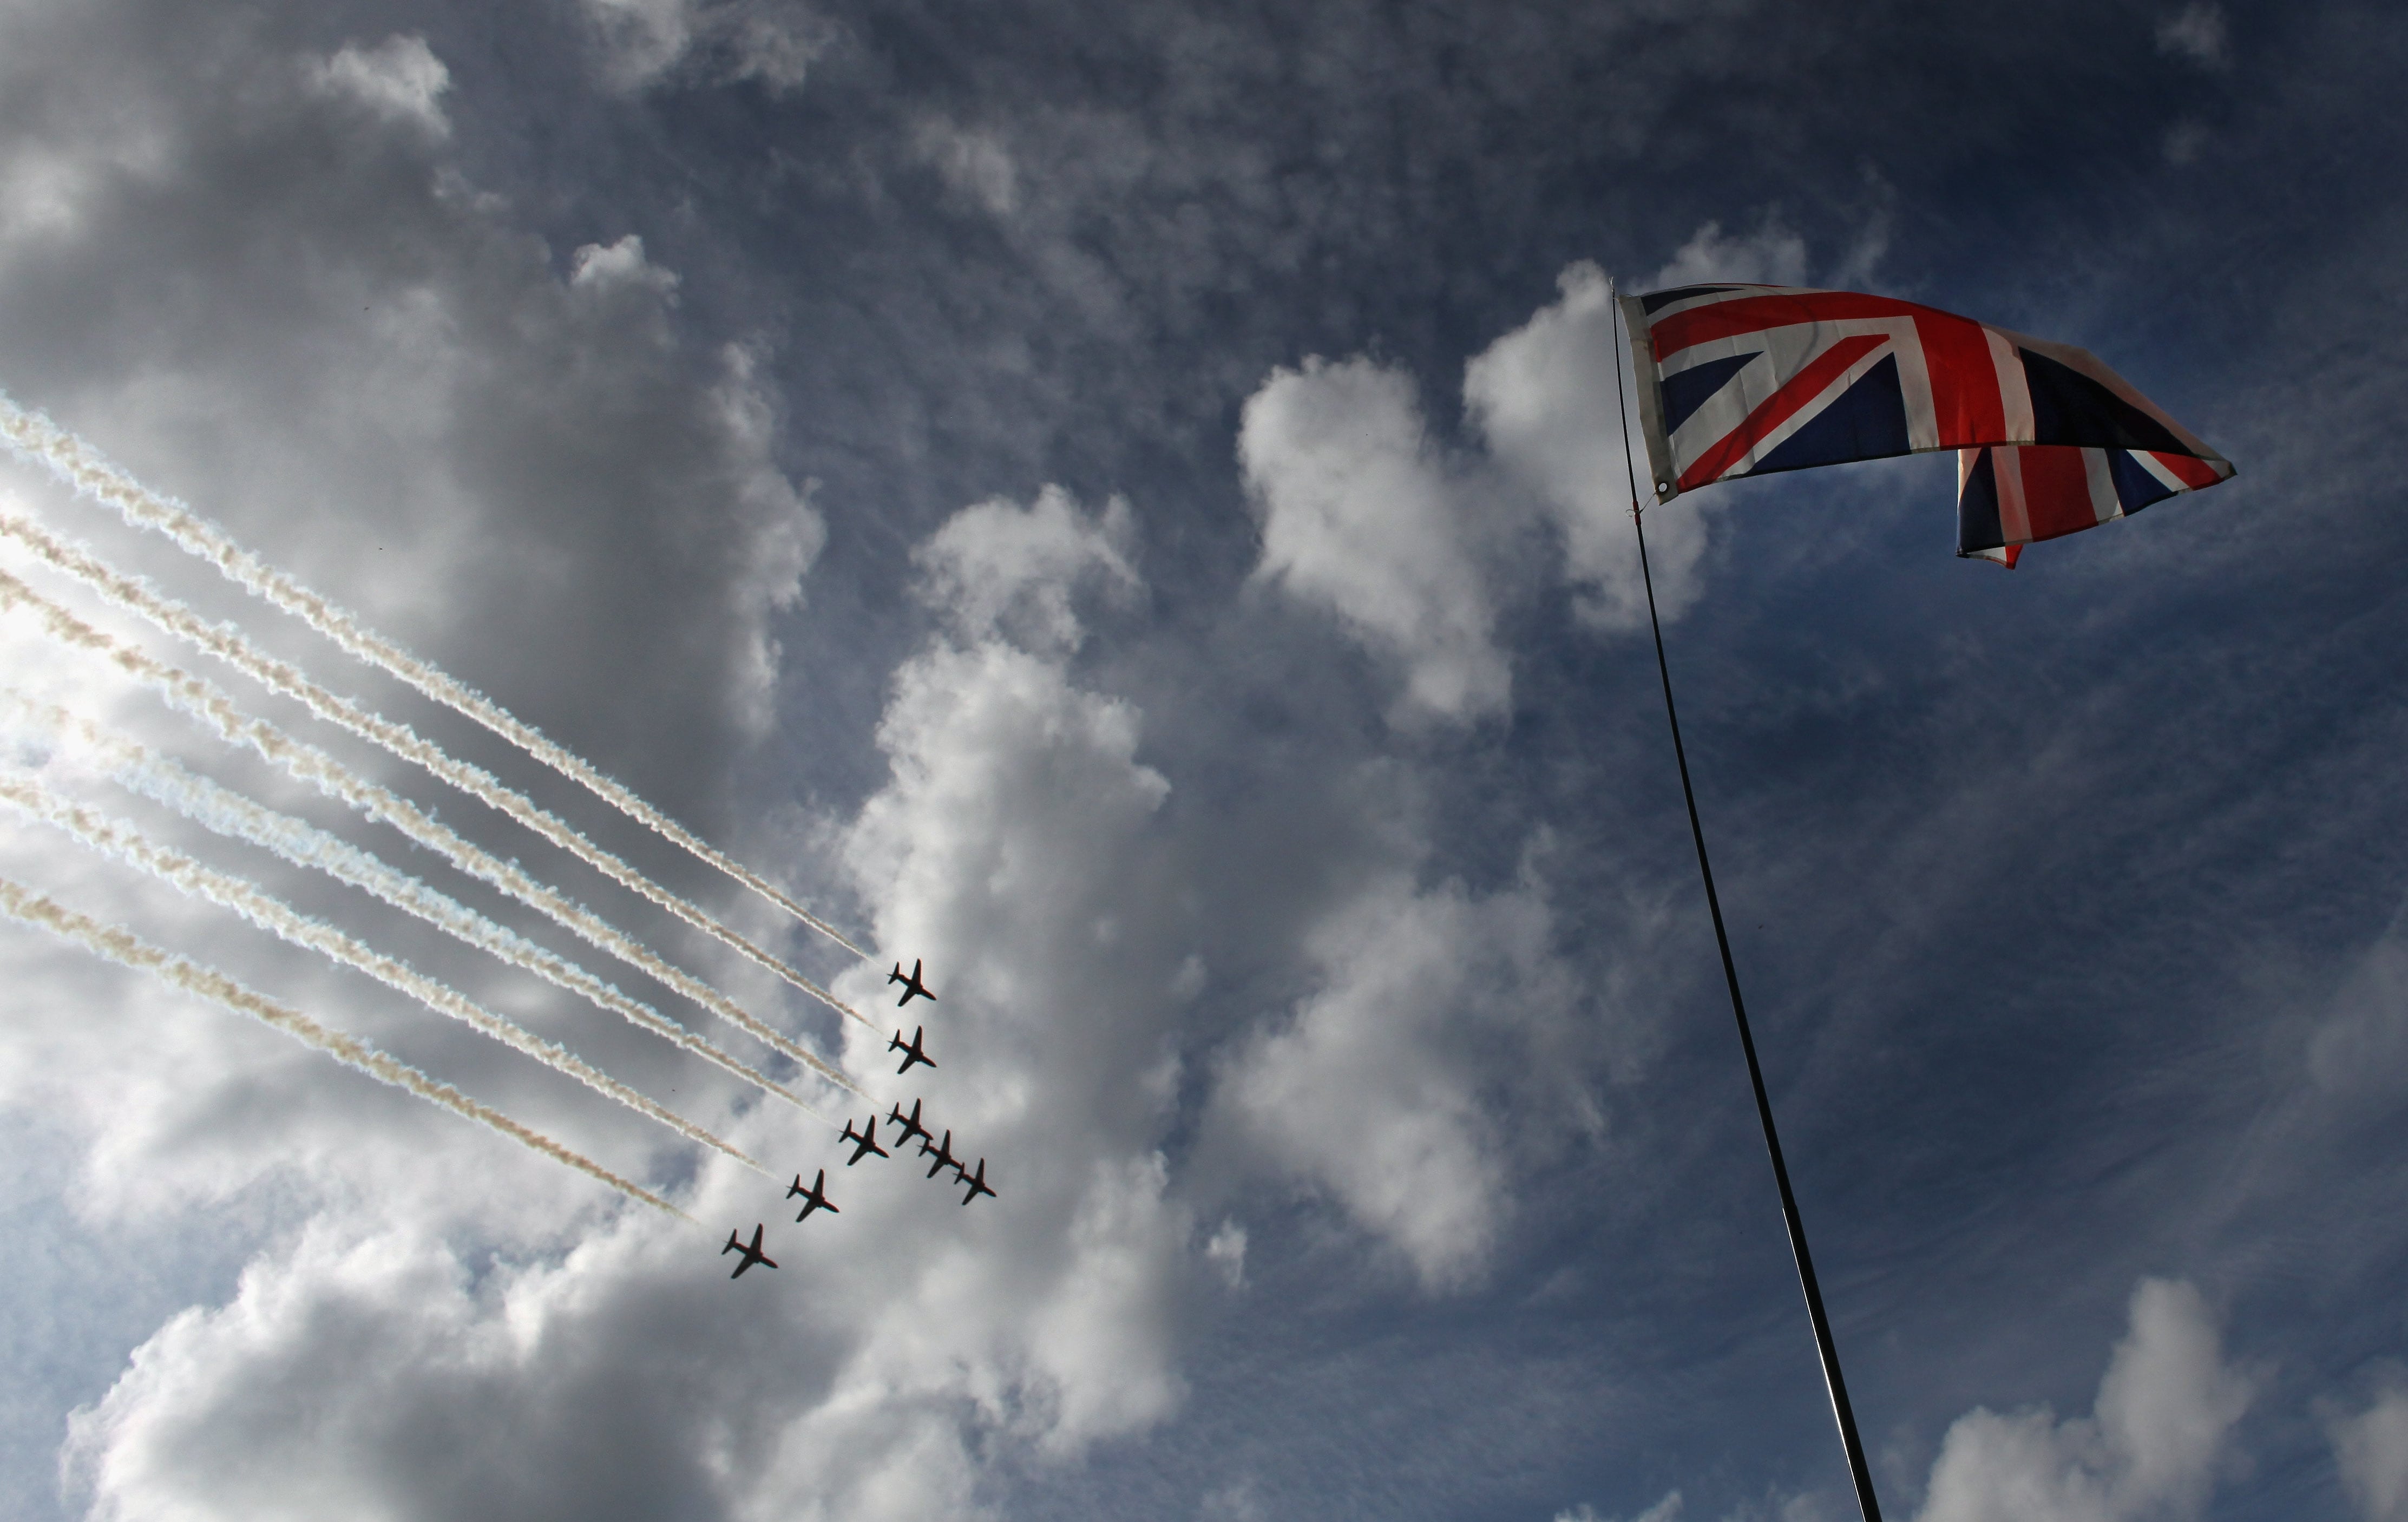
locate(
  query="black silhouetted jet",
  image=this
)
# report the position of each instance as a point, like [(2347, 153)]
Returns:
[(976, 1182), (911, 1049), (864, 1143), (910, 1123), (943, 1153), (912, 986), (813, 1199), (752, 1255)]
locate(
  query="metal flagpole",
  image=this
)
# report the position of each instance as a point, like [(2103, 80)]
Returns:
[(1832, 1381)]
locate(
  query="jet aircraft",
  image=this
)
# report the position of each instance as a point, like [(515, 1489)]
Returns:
[(911, 1049), (943, 1153), (912, 986), (752, 1255), (865, 1141), (813, 1199), (976, 1181), (910, 1123)]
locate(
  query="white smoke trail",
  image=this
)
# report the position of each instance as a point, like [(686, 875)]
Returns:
[(33, 435), (138, 596), (206, 703), (123, 947), (226, 812), (115, 838)]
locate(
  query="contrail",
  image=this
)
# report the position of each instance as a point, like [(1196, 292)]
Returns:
[(205, 702), (227, 812), (138, 596), (115, 838), (123, 947), (33, 435)]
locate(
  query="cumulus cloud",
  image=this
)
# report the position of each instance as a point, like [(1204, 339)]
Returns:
[(399, 79), (268, 288), (1771, 255), (619, 267), (973, 164), (1414, 548), (647, 42), (314, 328), (2152, 1447), (1667, 1509), (1372, 1092), (2184, 142), (2363, 1041), (2196, 33), (1542, 395), (2371, 1447), (1015, 848), (1000, 570), (1362, 515)]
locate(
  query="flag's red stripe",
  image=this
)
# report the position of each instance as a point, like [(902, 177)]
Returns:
[(1965, 399), (1780, 408), (1755, 314), (2191, 473), (2056, 492)]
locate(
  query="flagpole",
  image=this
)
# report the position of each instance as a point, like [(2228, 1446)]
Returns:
[(1832, 1381)]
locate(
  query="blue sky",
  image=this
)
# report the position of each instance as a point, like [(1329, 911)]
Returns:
[(1117, 501)]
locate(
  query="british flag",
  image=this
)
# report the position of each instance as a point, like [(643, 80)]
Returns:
[(1748, 380)]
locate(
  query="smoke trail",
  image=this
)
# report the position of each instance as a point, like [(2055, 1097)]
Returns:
[(206, 703), (117, 839), (123, 947), (137, 595), (225, 812), (79, 465)]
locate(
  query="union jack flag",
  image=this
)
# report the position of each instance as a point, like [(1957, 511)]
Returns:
[(1748, 380)]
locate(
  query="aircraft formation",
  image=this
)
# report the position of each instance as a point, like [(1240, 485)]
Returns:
[(864, 1143), (95, 633)]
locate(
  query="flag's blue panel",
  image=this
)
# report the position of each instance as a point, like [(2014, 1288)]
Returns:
[(1685, 393), (1867, 423)]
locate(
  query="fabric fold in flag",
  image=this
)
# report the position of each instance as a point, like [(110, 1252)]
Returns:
[(2008, 496), (1750, 379)]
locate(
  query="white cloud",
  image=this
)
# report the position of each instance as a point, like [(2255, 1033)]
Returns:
[(2196, 33), (2362, 1045), (399, 79), (2372, 1448), (1544, 398), (1414, 551), (1236, 1502), (1226, 1250), (2152, 1447), (622, 266), (974, 164), (1667, 1509), (645, 42), (1000, 570), (1372, 1092), (1362, 516), (1771, 255), (1014, 849), (316, 330)]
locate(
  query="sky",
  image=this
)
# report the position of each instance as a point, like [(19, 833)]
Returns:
[(1120, 502)]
